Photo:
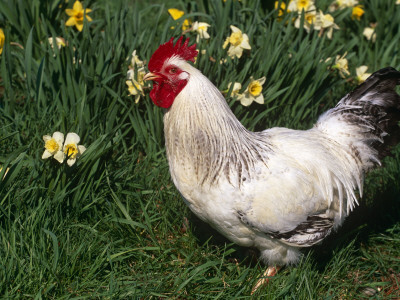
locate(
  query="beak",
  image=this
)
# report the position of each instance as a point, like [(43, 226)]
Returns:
[(151, 76)]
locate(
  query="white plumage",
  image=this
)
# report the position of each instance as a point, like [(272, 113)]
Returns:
[(254, 187), (280, 189)]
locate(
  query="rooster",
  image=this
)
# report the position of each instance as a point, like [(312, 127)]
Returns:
[(278, 190)]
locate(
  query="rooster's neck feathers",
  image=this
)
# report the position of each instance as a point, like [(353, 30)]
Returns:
[(202, 133)]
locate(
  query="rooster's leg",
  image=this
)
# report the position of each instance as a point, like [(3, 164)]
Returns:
[(269, 272)]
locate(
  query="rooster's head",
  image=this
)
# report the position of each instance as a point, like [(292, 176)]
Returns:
[(167, 74)]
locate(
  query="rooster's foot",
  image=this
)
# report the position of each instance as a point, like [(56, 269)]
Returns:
[(269, 272)]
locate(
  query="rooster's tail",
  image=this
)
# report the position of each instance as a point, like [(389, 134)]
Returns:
[(366, 120)]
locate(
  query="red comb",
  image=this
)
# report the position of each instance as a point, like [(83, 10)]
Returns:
[(168, 50)]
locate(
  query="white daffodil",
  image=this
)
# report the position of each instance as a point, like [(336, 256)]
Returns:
[(237, 86), (135, 61), (370, 34), (54, 146), (201, 29), (238, 41), (71, 148), (325, 22), (299, 5), (341, 64), (135, 86), (346, 3), (362, 74), (309, 19), (253, 92), (60, 42)]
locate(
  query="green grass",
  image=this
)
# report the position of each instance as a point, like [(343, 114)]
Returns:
[(113, 225)]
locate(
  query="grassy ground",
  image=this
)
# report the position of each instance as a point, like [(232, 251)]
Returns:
[(113, 225)]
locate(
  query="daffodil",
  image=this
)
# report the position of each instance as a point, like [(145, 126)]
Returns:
[(346, 3), (135, 80), (76, 15), (135, 86), (2, 39), (362, 74), (238, 41), (177, 14), (398, 2), (357, 12), (60, 42), (201, 29), (299, 5), (54, 146), (309, 19), (281, 9), (135, 61), (253, 92), (71, 148), (370, 34), (341, 64), (237, 86), (325, 22)]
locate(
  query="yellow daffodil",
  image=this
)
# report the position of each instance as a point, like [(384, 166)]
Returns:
[(54, 146), (71, 149), (238, 41), (237, 86), (281, 9), (201, 29), (362, 74), (177, 14), (341, 64), (370, 34), (325, 22), (397, 2), (253, 92), (2, 39), (299, 5), (357, 13), (76, 15)]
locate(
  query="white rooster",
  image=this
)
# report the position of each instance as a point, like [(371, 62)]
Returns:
[(280, 189)]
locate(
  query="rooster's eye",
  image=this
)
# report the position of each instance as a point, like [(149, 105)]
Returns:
[(172, 70)]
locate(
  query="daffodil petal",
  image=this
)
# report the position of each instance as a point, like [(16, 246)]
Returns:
[(46, 154), (70, 12), (262, 80), (46, 138), (235, 29), (70, 22), (79, 26), (58, 136), (71, 161), (259, 99), (81, 149), (77, 6), (244, 100), (72, 138), (59, 156)]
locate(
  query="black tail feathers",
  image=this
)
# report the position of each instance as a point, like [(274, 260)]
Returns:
[(375, 105)]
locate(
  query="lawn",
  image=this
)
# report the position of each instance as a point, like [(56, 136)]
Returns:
[(107, 222)]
